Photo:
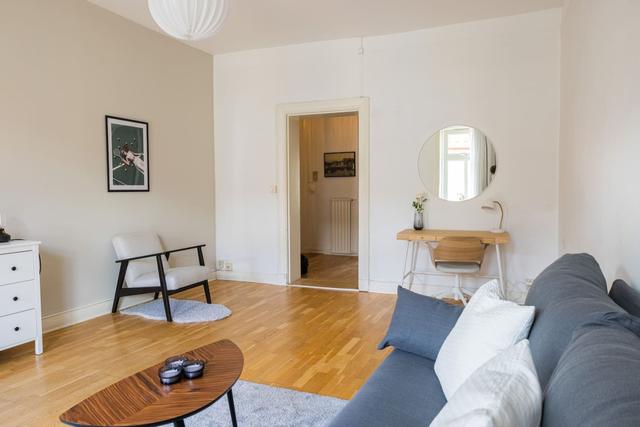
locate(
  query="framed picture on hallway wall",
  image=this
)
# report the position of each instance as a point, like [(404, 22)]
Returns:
[(127, 154), (340, 165)]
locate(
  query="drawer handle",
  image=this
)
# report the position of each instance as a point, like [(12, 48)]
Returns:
[(15, 298), (14, 268), (17, 328)]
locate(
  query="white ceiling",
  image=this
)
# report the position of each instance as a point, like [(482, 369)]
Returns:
[(253, 24)]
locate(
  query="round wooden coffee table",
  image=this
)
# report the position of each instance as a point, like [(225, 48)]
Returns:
[(140, 400)]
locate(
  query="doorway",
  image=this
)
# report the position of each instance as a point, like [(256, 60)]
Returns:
[(328, 152), (325, 195)]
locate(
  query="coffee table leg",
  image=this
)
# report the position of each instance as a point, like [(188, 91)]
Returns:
[(232, 408), (179, 423)]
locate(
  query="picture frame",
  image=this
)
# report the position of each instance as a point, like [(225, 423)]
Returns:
[(127, 155), (340, 164)]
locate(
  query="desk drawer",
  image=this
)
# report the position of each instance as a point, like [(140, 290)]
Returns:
[(17, 328), (16, 267), (17, 297)]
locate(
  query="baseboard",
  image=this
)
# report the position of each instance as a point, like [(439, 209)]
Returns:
[(72, 316), (375, 286), (323, 288), (380, 287), (239, 276), (323, 252), (384, 287)]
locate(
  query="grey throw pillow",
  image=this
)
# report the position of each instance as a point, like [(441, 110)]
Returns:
[(596, 380), (626, 297), (420, 324)]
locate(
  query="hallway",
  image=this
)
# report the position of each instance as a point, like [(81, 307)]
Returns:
[(331, 271)]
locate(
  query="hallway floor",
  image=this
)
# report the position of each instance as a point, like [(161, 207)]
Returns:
[(331, 271)]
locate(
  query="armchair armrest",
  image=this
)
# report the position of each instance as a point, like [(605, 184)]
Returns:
[(165, 253)]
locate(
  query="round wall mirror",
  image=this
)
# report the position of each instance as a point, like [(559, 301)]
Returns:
[(457, 163)]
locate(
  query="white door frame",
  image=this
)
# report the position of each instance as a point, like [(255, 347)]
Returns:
[(284, 112)]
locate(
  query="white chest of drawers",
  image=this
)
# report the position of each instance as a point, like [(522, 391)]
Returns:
[(20, 313)]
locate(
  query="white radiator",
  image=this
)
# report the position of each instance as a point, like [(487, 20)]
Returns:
[(341, 226)]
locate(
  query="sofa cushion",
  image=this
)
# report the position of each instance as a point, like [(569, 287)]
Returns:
[(404, 391), (488, 325), (420, 324), (626, 297), (503, 392), (597, 380), (565, 295)]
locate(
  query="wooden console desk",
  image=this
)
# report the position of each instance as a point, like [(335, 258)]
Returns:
[(414, 237)]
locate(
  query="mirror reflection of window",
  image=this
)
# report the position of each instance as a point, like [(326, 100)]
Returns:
[(455, 148), (457, 163)]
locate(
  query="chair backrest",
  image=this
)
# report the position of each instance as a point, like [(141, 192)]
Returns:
[(467, 250), (137, 244)]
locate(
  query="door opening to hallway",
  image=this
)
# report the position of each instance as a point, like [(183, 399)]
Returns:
[(328, 199)]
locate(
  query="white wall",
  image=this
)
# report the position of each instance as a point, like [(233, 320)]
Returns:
[(499, 75), (600, 135), (319, 135), (65, 65)]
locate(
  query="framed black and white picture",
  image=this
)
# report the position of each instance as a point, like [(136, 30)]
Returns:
[(340, 165), (127, 154)]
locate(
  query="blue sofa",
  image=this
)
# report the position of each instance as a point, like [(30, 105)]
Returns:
[(586, 349)]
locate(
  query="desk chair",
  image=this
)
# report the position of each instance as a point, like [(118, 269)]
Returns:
[(457, 256), (144, 268)]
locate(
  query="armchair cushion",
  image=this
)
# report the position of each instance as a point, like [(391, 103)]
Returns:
[(131, 245), (176, 278)]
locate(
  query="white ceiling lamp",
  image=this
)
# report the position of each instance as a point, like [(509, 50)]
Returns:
[(189, 19)]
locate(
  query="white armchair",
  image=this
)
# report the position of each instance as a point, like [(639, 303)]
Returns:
[(144, 268)]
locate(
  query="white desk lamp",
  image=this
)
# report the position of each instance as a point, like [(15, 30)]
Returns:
[(496, 205)]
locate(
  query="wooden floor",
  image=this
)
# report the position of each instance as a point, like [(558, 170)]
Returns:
[(331, 271), (304, 339)]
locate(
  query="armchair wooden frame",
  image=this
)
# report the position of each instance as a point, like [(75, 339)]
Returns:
[(121, 291)]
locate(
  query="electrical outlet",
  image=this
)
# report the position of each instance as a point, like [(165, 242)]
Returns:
[(228, 266), (220, 265)]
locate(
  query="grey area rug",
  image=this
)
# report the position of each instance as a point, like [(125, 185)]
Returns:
[(260, 405), (182, 311)]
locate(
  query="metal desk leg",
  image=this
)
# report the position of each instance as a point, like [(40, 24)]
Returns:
[(414, 257), (232, 408), (503, 285), (178, 423), (404, 265)]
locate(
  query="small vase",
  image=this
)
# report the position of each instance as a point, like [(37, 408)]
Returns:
[(418, 221)]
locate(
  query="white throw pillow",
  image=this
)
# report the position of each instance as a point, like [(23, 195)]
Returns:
[(488, 325), (503, 392)]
